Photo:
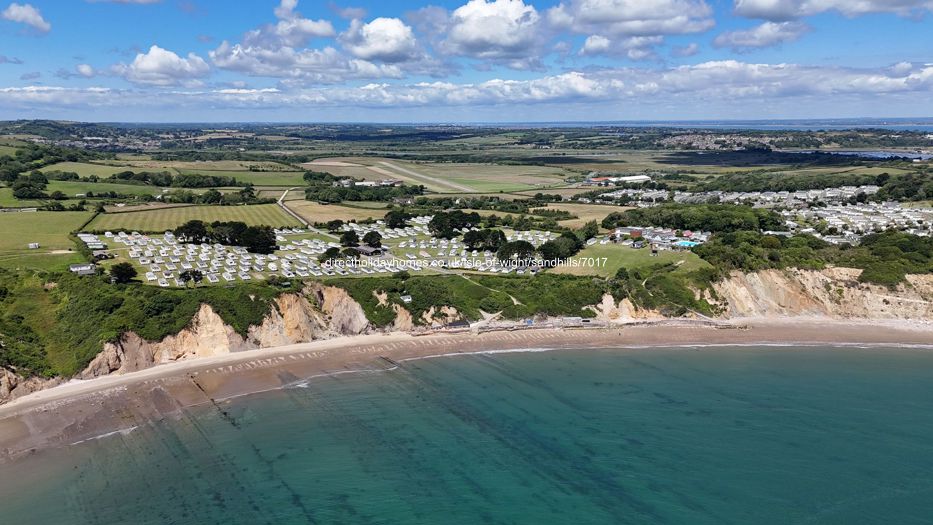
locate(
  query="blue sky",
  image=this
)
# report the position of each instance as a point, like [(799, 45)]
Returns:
[(464, 61)]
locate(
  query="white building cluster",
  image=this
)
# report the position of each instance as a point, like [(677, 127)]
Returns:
[(791, 199), (851, 222)]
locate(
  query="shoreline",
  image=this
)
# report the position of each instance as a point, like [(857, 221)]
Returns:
[(79, 410)]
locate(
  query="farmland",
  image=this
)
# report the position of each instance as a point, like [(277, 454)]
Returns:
[(84, 169), (72, 188), (163, 219), (258, 173), (316, 212), (49, 229), (446, 177), (584, 212)]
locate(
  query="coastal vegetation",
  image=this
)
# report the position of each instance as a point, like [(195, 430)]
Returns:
[(54, 324), (885, 258), (701, 217)]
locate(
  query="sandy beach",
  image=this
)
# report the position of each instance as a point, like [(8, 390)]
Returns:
[(81, 410)]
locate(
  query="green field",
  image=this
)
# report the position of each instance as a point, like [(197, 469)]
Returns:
[(169, 218), (7, 200), (316, 212), (618, 256), (85, 169), (49, 229), (71, 188)]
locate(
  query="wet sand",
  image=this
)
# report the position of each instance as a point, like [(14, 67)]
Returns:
[(82, 410)]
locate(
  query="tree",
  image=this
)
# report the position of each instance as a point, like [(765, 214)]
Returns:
[(515, 250), (191, 275), (329, 255), (334, 225), (211, 196), (193, 232), (248, 193), (123, 272), (372, 239), (396, 219), (350, 238), (259, 239), (589, 230), (474, 239)]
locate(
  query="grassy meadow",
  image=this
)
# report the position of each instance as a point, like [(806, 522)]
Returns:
[(618, 256), (49, 229), (162, 219)]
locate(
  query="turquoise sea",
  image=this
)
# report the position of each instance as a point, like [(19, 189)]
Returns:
[(755, 435)]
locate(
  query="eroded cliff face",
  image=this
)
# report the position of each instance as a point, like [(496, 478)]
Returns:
[(13, 385), (346, 315), (321, 312), (292, 319), (833, 292), (330, 312)]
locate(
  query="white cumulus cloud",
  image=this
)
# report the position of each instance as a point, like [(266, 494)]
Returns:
[(161, 67), (632, 17), (26, 14), (383, 39), (504, 31), (633, 47), (383, 48), (765, 35)]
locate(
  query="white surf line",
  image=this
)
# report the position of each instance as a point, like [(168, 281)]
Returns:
[(435, 180), (122, 432)]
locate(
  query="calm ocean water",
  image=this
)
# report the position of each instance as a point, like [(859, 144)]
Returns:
[(685, 436)]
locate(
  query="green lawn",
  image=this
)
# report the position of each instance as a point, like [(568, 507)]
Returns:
[(616, 256), (169, 218), (49, 229), (84, 169)]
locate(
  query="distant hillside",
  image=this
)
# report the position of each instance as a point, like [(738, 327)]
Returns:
[(57, 129)]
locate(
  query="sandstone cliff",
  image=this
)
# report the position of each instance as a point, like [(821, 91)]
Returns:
[(833, 292), (319, 312)]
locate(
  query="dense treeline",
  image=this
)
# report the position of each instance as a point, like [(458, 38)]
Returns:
[(885, 258), (899, 187), (706, 217), (323, 187), (165, 179), (34, 156), (256, 239), (446, 225), (768, 181)]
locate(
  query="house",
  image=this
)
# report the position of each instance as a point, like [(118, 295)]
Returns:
[(369, 250), (83, 269)]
